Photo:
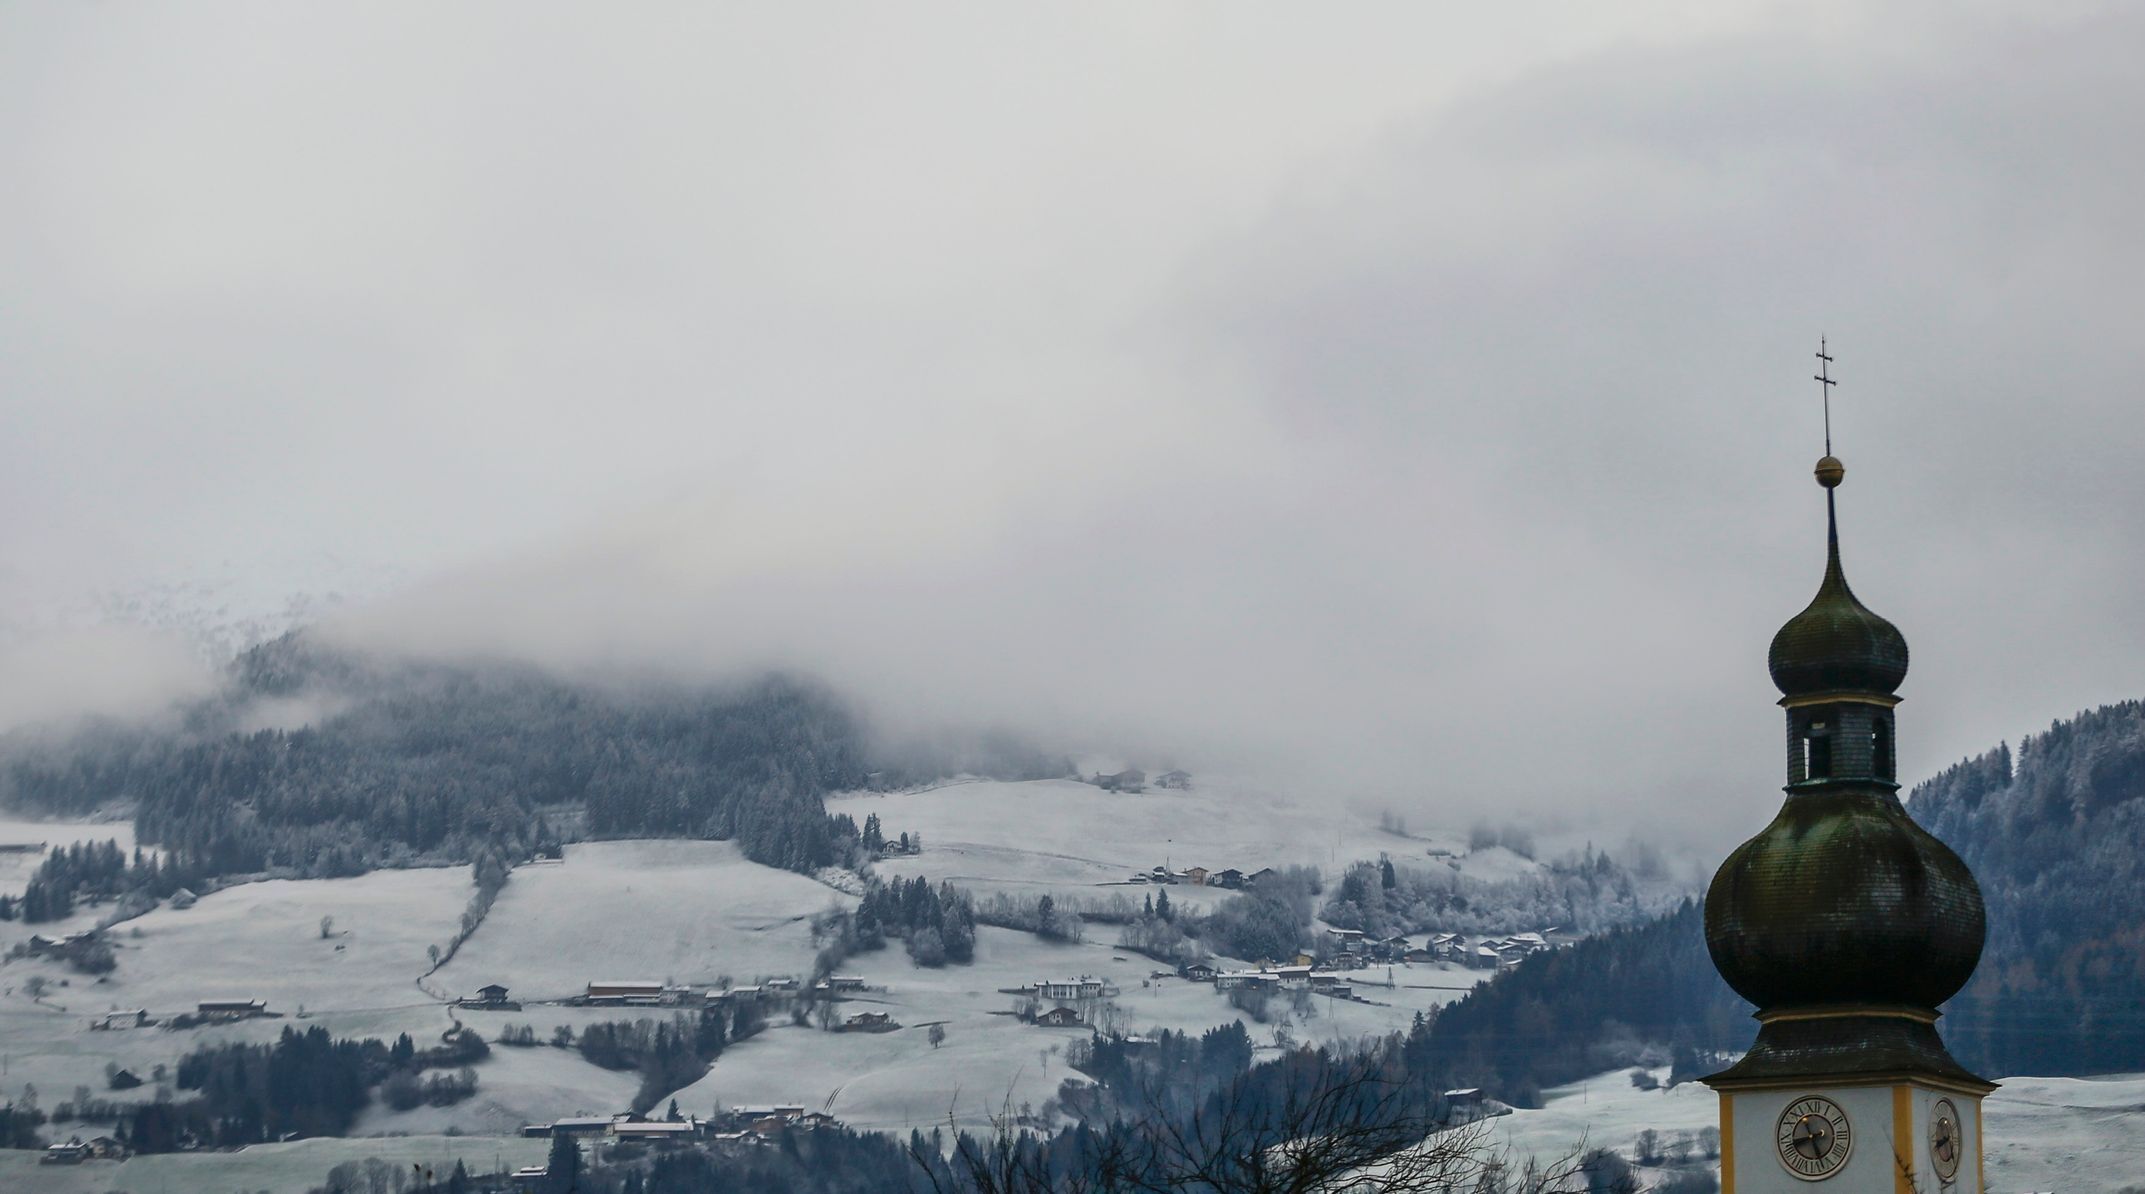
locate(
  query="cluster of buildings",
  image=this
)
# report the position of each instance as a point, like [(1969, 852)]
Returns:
[(1132, 779), (1350, 949), (1298, 976), (78, 1150), (756, 1125), (652, 993), (1199, 876)]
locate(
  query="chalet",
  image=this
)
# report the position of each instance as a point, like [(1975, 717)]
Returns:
[(183, 899), (869, 1022), (109, 1021), (1196, 876), (844, 982), (1083, 987), (1229, 980), (1484, 957), (1228, 877), (658, 1130), (122, 1080), (1528, 942), (1395, 944), (105, 1148), (531, 1177), (1345, 938), (1347, 960), (1418, 957), (580, 1125), (1059, 1017), (1177, 780), (817, 1119), (1131, 779), (73, 1152), (1293, 978), (1199, 972), (1261, 875), (784, 1112), (779, 983), (625, 991), (1340, 990), (229, 1009), (491, 994), (1162, 874), (1559, 938)]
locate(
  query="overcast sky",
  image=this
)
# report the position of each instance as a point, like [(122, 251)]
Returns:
[(1408, 402)]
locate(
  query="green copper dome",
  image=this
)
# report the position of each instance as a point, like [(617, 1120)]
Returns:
[(1837, 644), (1843, 899)]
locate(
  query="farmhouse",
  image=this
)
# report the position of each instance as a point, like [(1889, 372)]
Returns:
[(660, 1131), (869, 1022), (1196, 876), (1131, 779), (1199, 972), (1226, 877), (110, 1021), (1059, 1017), (229, 1009), (1084, 987), (625, 991), (1229, 980), (1178, 780), (73, 1152)]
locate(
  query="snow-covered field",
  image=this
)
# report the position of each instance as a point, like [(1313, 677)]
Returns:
[(16, 866), (678, 910), (1067, 836), (2076, 1135), (694, 912), (291, 1168)]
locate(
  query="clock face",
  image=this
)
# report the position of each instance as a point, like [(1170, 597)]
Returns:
[(1945, 1143), (1814, 1138)]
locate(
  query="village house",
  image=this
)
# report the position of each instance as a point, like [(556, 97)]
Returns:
[(1419, 957), (1345, 938), (72, 1152), (658, 1131), (1175, 780), (1228, 877), (869, 1022), (229, 1009), (1199, 972), (1059, 1017), (1131, 779), (1196, 876), (1293, 978), (1066, 990), (1230, 980)]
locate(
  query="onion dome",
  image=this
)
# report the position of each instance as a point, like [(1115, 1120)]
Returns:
[(1836, 644), (1843, 899)]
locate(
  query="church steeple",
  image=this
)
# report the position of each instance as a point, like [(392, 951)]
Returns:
[(1845, 923)]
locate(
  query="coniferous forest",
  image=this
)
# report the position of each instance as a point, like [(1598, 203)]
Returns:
[(385, 763)]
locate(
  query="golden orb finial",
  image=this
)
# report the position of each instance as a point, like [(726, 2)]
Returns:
[(1830, 472)]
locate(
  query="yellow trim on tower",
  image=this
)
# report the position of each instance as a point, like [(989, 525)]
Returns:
[(1727, 1141), (1903, 1134), (1981, 1168)]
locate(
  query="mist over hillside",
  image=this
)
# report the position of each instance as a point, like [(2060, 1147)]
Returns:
[(319, 760)]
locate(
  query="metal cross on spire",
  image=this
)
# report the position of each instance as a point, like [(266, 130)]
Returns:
[(1824, 374)]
